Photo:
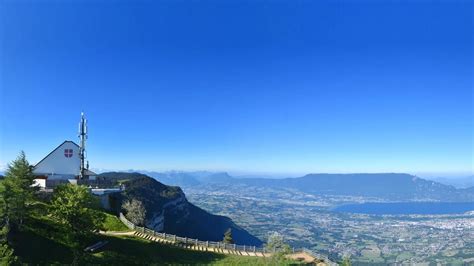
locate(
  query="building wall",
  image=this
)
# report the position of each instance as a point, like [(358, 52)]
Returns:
[(59, 166), (104, 201), (39, 182)]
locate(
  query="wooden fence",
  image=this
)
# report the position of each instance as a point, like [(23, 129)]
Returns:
[(215, 245), (197, 242), (319, 256)]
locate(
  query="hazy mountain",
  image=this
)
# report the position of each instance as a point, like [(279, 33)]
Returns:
[(176, 178), (116, 176), (169, 211), (391, 186), (469, 190), (458, 182), (385, 185), (216, 178), (187, 179)]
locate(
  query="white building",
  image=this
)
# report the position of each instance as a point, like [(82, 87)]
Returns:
[(62, 164), (66, 163)]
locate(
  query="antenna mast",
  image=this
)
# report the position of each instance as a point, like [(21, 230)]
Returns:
[(82, 147)]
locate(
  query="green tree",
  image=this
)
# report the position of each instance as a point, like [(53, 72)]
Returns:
[(72, 206), (277, 246), (135, 211), (346, 262), (228, 237), (18, 192), (6, 252), (7, 256)]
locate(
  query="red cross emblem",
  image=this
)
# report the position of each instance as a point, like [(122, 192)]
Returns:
[(68, 153)]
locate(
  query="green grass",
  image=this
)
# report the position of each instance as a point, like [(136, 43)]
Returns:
[(42, 241), (126, 250), (113, 223)]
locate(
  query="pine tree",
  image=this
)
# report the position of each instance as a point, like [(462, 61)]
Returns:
[(18, 192), (228, 237), (6, 252)]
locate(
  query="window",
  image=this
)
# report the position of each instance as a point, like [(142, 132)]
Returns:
[(68, 153)]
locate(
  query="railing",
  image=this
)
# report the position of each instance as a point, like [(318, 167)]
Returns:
[(197, 242), (124, 220), (319, 256), (216, 245)]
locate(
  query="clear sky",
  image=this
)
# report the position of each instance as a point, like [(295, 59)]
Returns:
[(278, 86)]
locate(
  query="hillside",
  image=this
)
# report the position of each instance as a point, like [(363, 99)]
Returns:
[(387, 185), (186, 179), (169, 211), (458, 182), (468, 190), (390, 186), (43, 243)]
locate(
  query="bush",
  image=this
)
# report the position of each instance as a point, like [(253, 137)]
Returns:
[(277, 245), (135, 211)]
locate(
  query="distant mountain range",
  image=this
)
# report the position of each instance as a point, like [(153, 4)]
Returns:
[(390, 186), (458, 182), (187, 179), (169, 211)]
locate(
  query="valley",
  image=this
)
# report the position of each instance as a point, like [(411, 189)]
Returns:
[(307, 220)]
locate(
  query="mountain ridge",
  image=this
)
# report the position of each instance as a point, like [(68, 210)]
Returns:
[(457, 182), (390, 186), (169, 211)]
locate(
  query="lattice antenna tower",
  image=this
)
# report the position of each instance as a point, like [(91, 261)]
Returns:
[(82, 145)]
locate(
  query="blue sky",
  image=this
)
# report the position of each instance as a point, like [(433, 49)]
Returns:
[(283, 87)]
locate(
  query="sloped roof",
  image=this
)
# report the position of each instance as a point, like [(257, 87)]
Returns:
[(55, 150)]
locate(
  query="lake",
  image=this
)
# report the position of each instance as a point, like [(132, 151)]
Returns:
[(408, 208)]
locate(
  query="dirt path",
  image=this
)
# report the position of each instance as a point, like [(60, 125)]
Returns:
[(117, 233), (302, 256)]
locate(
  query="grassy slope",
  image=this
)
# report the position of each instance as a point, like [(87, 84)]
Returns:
[(133, 251), (43, 241), (112, 223)]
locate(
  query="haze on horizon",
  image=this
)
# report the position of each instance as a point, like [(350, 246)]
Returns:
[(242, 86)]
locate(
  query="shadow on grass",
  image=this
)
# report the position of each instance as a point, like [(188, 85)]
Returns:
[(44, 242), (36, 249), (128, 250)]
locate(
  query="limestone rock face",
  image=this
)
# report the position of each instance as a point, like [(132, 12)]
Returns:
[(168, 210), (156, 222)]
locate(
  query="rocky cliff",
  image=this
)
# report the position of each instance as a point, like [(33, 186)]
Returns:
[(169, 211)]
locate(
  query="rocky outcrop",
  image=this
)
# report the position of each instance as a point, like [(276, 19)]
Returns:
[(156, 222), (169, 211)]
